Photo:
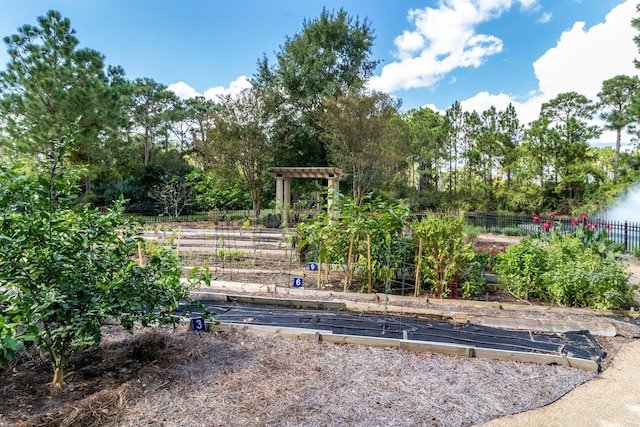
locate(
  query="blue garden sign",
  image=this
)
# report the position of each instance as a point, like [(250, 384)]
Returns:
[(198, 324), (313, 266), (297, 282)]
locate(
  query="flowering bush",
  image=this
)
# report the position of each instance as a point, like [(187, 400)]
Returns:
[(487, 258), (577, 268)]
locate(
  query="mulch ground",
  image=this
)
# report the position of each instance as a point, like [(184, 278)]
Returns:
[(164, 378)]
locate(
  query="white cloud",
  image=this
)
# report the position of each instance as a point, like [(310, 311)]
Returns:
[(236, 86), (443, 40), (584, 58), (185, 91), (545, 17)]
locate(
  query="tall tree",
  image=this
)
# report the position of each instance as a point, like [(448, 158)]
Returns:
[(238, 146), (569, 115), (153, 108), (511, 133), (50, 83), (615, 99), (328, 57), (362, 137), (428, 136), (455, 135)]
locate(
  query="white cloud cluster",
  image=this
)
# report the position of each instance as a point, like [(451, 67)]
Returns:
[(444, 39), (581, 60), (184, 91)]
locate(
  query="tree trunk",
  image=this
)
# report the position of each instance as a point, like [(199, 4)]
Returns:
[(58, 375), (617, 160), (147, 151)]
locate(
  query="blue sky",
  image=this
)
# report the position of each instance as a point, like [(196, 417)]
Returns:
[(433, 52)]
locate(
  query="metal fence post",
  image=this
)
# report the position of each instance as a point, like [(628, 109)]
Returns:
[(626, 236)]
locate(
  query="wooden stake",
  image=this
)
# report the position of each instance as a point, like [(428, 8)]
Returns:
[(319, 265), (348, 273), (140, 253), (178, 244), (417, 288), (369, 262)]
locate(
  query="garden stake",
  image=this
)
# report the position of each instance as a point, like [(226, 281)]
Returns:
[(417, 292), (319, 265), (386, 286), (347, 277), (178, 244), (369, 260), (140, 253)]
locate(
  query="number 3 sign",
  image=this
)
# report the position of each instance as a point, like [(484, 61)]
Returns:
[(198, 324)]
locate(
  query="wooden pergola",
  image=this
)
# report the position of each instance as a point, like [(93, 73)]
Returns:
[(283, 176)]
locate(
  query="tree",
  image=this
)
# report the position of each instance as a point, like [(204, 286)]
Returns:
[(51, 83), (569, 115), (173, 195), (359, 133), (65, 268), (239, 146), (153, 108), (455, 127), (197, 119), (615, 97), (328, 57), (428, 146)]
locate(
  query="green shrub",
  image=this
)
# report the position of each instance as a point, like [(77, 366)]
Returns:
[(565, 269), (445, 255), (580, 276), (473, 282), (520, 268)]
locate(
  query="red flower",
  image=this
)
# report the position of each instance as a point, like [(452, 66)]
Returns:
[(609, 227), (546, 226), (536, 219), (552, 214), (584, 217), (587, 226), (574, 221), (594, 225), (376, 214)]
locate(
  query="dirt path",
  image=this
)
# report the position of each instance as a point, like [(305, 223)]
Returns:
[(612, 399)]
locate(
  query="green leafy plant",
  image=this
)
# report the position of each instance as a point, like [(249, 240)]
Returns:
[(520, 268), (575, 269), (444, 253), (228, 254), (473, 282), (488, 258), (578, 276), (366, 238), (65, 268)]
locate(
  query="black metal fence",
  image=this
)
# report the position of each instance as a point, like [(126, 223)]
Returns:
[(156, 213), (625, 232)]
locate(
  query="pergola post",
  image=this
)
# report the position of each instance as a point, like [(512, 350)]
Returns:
[(279, 192), (334, 185), (287, 202)]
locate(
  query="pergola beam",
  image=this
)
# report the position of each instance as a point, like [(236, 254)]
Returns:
[(283, 176)]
